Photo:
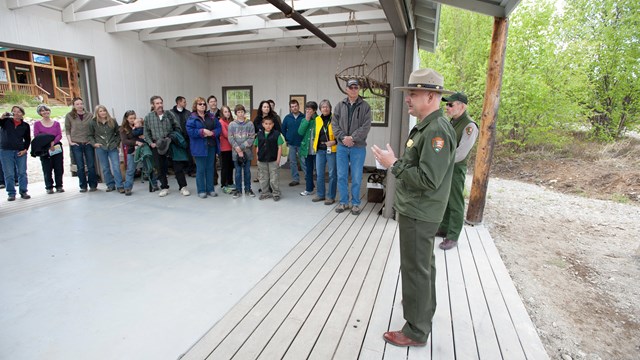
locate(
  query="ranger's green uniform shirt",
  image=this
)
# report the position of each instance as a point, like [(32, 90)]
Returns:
[(424, 171)]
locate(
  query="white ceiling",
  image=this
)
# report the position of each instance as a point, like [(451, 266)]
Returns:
[(211, 27)]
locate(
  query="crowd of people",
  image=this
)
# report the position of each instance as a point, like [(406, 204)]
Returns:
[(191, 141), (430, 172)]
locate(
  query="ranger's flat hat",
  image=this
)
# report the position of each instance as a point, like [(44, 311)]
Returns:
[(425, 79)]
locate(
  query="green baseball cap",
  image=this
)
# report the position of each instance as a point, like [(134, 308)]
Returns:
[(459, 96)]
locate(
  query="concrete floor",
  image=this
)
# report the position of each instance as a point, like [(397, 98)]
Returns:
[(104, 276)]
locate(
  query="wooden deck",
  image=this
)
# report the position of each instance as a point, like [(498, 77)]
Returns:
[(338, 290)]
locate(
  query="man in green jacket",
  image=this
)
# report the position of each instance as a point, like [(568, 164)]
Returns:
[(423, 179), (466, 135)]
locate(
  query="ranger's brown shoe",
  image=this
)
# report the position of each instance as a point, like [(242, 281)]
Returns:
[(447, 244)]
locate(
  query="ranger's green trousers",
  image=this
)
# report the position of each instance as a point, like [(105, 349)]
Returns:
[(418, 269), (454, 215)]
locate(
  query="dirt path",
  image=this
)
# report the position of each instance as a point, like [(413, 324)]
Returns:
[(576, 264)]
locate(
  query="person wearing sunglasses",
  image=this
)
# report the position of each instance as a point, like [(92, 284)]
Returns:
[(204, 132), (351, 123), (466, 133)]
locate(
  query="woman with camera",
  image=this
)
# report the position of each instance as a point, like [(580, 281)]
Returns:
[(15, 138), (52, 163)]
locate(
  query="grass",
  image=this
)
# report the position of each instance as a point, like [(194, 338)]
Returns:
[(620, 198), (56, 111)]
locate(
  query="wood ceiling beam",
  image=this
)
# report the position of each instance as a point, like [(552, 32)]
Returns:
[(277, 33), (290, 42), (254, 23), (225, 10), (16, 4)]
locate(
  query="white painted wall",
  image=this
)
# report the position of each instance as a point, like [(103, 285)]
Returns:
[(276, 74), (128, 71)]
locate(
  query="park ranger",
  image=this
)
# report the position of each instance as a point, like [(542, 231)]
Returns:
[(423, 176), (466, 135)]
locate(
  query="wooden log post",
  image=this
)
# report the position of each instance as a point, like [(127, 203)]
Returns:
[(490, 107)]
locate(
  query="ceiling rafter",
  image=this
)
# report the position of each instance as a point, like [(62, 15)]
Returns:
[(123, 9), (16, 4), (276, 33), (225, 10), (253, 23), (290, 42)]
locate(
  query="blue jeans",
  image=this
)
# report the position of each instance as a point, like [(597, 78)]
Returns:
[(131, 171), (110, 163), (350, 158), (83, 154), (310, 163), (10, 162), (240, 171), (204, 171), (322, 159), (294, 152)]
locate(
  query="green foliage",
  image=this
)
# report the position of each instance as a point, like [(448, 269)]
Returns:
[(603, 34), (568, 66), (30, 111), (18, 98)]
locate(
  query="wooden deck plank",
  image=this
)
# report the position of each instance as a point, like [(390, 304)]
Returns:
[(373, 346), (338, 320), (352, 339), (441, 333), (463, 335), (529, 338), (330, 283), (268, 314), (392, 352), (290, 264), (486, 341), (508, 341)]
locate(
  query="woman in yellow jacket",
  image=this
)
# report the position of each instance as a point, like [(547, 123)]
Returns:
[(325, 147)]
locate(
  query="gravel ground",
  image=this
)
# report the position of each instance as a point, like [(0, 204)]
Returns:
[(576, 264)]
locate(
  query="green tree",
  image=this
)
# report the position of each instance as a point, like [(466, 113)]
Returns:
[(603, 34)]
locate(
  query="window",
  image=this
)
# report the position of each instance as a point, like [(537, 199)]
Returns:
[(379, 106), (234, 95)]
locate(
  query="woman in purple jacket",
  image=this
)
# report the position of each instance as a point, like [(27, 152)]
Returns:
[(54, 162), (204, 130)]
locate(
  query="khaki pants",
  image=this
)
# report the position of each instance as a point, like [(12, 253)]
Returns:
[(418, 269), (269, 177)]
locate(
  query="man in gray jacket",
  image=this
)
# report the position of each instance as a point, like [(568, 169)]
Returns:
[(351, 123)]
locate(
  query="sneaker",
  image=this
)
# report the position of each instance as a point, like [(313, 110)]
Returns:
[(202, 195), (317, 199), (237, 194), (153, 188), (341, 208), (276, 198), (329, 202), (83, 190), (127, 192), (264, 196), (212, 194), (294, 183), (25, 196), (49, 191), (110, 188), (93, 189), (356, 210), (2, 186), (447, 244), (184, 191), (11, 198), (60, 190), (307, 193), (121, 190), (250, 193), (163, 192)]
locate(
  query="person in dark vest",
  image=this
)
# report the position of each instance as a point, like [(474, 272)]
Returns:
[(423, 180), (466, 134), (269, 150)]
